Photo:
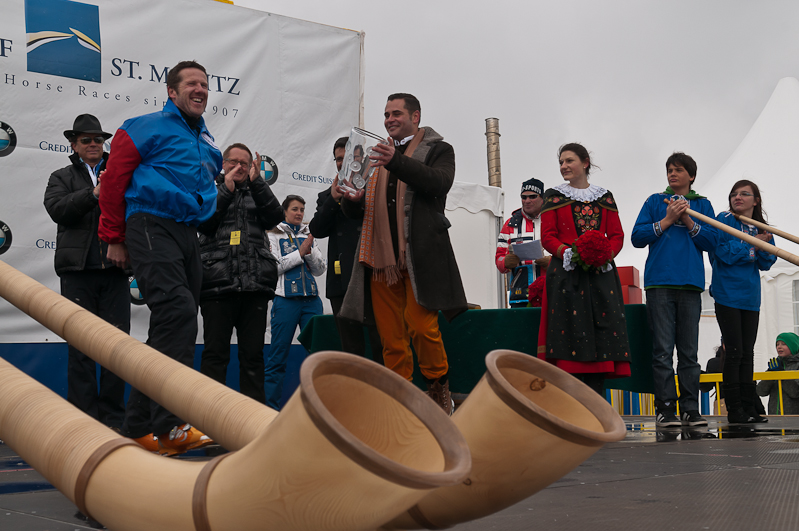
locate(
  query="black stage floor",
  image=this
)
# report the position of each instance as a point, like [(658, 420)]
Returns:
[(722, 477)]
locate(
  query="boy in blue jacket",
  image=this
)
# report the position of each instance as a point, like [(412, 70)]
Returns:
[(674, 279)]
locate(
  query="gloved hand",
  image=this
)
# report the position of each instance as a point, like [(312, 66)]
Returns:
[(511, 261), (775, 364)]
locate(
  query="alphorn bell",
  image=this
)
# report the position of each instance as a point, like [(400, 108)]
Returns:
[(354, 446), (527, 423), (760, 244)]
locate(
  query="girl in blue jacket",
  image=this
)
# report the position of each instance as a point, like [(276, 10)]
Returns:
[(736, 290)]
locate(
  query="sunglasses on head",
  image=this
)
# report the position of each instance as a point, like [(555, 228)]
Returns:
[(86, 140)]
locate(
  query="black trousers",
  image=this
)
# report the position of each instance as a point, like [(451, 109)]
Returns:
[(351, 334), (739, 330), (104, 292), (246, 312), (165, 257)]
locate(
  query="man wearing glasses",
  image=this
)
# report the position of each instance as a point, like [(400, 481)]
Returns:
[(239, 273), (88, 278), (524, 225)]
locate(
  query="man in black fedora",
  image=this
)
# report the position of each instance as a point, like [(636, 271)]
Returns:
[(88, 278)]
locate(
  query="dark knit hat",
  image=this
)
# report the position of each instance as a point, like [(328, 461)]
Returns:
[(533, 185)]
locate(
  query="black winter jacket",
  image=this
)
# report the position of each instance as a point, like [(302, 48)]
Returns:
[(69, 199), (330, 222), (251, 209), (432, 267)]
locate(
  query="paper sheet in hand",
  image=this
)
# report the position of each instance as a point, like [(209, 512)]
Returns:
[(528, 250)]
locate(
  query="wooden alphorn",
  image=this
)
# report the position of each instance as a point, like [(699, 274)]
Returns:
[(760, 244), (527, 423), (355, 445), (767, 228)]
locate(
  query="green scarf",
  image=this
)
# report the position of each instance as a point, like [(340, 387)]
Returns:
[(690, 195), (790, 339)]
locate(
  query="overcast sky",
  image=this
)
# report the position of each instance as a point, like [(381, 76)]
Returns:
[(631, 80)]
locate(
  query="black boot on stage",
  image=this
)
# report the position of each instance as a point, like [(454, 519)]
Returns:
[(749, 401), (732, 398)]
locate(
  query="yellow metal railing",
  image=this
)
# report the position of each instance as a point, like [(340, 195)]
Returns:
[(646, 401)]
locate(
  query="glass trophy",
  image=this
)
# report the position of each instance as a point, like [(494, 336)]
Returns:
[(357, 167)]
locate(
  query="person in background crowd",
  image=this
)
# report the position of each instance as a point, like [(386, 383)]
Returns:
[(736, 289), (583, 328), (299, 260), (158, 187), (674, 279), (405, 252), (787, 360), (88, 278), (239, 272), (342, 246), (523, 226)]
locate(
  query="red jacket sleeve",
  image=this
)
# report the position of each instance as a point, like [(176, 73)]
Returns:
[(614, 231), (549, 233), (502, 246), (114, 182)]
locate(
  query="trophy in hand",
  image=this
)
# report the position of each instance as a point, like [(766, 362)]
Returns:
[(357, 168)]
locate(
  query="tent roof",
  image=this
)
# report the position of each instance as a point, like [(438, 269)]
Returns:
[(765, 156)]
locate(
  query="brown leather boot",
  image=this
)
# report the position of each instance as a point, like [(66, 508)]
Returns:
[(440, 394)]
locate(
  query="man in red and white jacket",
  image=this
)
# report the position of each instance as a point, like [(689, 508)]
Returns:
[(524, 225)]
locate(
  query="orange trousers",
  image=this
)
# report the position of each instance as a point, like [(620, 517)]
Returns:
[(400, 321)]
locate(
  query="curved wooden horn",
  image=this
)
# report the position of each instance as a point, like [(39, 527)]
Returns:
[(355, 444), (527, 424), (230, 418), (760, 244), (767, 228)]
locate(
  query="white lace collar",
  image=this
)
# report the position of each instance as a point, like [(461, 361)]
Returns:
[(585, 195)]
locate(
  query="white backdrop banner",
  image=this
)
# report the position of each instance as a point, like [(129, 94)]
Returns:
[(285, 87)]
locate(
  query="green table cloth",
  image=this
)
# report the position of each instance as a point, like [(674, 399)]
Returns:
[(475, 333)]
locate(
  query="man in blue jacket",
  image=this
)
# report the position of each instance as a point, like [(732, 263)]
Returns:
[(674, 279), (158, 187)]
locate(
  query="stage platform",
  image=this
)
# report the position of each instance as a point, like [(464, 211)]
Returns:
[(739, 477)]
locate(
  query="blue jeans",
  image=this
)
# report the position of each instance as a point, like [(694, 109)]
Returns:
[(674, 320), (287, 313)]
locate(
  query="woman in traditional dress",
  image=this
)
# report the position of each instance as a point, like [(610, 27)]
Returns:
[(736, 290), (583, 329)]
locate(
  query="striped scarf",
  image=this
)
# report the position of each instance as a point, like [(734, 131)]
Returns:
[(376, 250)]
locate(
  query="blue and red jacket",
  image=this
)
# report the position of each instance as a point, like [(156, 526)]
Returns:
[(161, 166)]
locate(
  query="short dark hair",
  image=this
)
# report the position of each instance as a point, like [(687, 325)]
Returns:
[(581, 153), (411, 102), (678, 158), (237, 145), (289, 198), (758, 214), (173, 77), (341, 143)]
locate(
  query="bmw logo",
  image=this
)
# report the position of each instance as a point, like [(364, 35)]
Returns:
[(135, 293), (8, 140), (268, 169), (5, 237)]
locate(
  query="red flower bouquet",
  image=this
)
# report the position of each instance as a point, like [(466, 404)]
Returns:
[(535, 291), (591, 250)]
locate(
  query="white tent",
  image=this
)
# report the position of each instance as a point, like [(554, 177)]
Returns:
[(765, 156)]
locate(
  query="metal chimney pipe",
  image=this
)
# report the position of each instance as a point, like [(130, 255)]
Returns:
[(492, 141)]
